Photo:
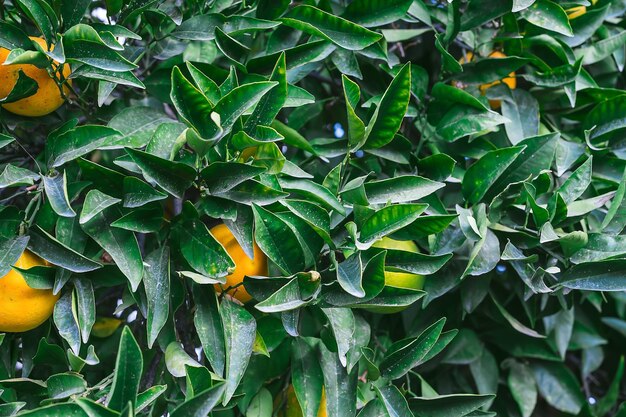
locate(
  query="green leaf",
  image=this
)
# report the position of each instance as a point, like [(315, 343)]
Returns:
[(173, 177), (391, 110), (234, 104), (343, 325), (486, 171), (209, 326), (73, 11), (271, 103), (558, 386), (299, 291), (64, 385), (177, 360), (42, 16), (312, 190), (350, 275), (521, 382), (11, 248), (95, 202), (56, 190), (332, 28), (306, 376), (388, 220), (235, 51), (596, 276), (400, 189), (66, 322), (201, 404), (13, 176), (223, 176), (537, 156), (137, 193), (78, 142), (461, 121), (56, 410), (156, 281), (277, 241), (394, 402), (261, 404), (137, 125), (239, 335), (356, 127), (200, 249), (94, 409), (340, 386), (85, 307), (489, 69), (576, 184), (55, 252), (193, 107), (371, 13), (455, 405), (405, 355), (120, 244), (548, 15), (601, 49), (86, 51), (606, 120), (128, 370), (13, 37)]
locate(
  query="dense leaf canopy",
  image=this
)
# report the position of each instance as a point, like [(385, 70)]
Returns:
[(487, 136)]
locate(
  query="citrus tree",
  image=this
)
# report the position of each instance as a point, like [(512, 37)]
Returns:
[(320, 208)]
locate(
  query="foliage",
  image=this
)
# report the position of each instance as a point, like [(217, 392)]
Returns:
[(315, 129)]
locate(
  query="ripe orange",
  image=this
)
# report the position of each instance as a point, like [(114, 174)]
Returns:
[(23, 308), (243, 265), (48, 96), (510, 80)]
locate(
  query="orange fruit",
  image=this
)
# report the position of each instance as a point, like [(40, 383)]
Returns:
[(398, 279), (401, 279), (243, 264), (511, 81), (105, 326), (292, 407), (48, 96), (23, 308), (577, 11)]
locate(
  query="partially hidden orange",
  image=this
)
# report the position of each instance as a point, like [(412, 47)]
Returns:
[(48, 97), (23, 308), (243, 264)]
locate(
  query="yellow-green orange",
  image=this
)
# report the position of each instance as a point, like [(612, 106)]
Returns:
[(23, 308), (243, 264), (577, 11), (292, 406), (105, 326), (398, 279), (401, 279), (48, 96)]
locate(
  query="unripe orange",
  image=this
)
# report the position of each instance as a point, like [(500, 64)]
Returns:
[(292, 406)]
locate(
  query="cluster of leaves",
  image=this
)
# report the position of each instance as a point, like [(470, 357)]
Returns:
[(315, 130)]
